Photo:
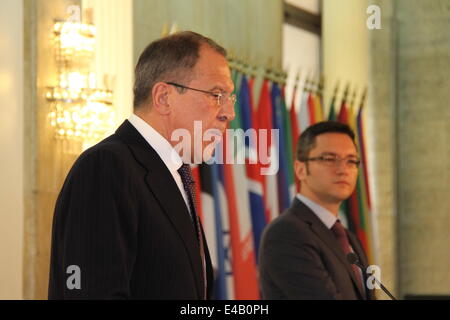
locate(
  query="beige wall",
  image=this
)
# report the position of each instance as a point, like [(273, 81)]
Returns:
[(345, 44), (249, 28), (113, 54), (11, 144)]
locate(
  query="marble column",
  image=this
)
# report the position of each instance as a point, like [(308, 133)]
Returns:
[(422, 119), (410, 122)]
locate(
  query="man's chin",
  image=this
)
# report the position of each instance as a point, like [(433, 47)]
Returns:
[(342, 196)]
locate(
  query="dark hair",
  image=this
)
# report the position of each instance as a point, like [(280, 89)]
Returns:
[(169, 59), (307, 139)]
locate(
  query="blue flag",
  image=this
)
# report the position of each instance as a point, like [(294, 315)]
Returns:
[(283, 174)]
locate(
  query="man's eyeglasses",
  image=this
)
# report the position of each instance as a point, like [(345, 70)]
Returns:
[(331, 161), (220, 97)]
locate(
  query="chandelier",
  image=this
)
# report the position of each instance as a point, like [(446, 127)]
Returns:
[(80, 111)]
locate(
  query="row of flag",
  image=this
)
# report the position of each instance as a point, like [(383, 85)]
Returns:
[(235, 202)]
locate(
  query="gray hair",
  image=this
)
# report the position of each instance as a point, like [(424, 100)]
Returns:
[(171, 58)]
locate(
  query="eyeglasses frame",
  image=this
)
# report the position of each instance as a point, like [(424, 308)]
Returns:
[(217, 95)]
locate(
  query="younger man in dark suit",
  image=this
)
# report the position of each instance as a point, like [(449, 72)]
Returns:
[(304, 251)]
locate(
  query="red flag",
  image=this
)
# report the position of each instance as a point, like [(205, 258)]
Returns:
[(264, 121), (294, 122), (311, 109), (343, 112)]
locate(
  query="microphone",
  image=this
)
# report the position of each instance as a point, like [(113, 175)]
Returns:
[(353, 259)]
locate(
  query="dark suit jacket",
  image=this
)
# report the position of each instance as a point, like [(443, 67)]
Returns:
[(300, 258), (122, 220)]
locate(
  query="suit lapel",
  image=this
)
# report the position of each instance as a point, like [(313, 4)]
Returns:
[(317, 226), (166, 192)]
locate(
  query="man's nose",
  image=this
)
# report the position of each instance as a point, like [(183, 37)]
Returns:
[(228, 111), (342, 167)]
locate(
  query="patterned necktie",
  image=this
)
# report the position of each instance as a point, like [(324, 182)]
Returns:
[(189, 187), (339, 232)]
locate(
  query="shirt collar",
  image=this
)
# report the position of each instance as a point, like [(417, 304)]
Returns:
[(328, 218), (162, 147)]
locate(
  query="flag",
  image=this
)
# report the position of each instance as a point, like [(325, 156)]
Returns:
[(354, 206), (282, 176), (318, 108), (362, 148), (252, 177), (295, 133), (226, 271), (294, 122), (343, 111), (332, 113), (311, 109), (264, 122), (365, 191), (304, 118), (241, 230), (288, 147), (216, 228)]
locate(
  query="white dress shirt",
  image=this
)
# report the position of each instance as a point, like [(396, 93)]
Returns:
[(328, 218), (164, 149)]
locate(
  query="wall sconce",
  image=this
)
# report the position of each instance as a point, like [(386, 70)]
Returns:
[(79, 110)]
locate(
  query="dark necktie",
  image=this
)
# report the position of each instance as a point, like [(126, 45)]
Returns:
[(339, 232), (189, 188)]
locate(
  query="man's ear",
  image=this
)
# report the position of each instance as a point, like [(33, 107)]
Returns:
[(160, 98), (300, 170)]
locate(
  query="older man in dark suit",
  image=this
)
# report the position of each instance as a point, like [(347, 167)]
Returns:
[(304, 251), (125, 220)]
